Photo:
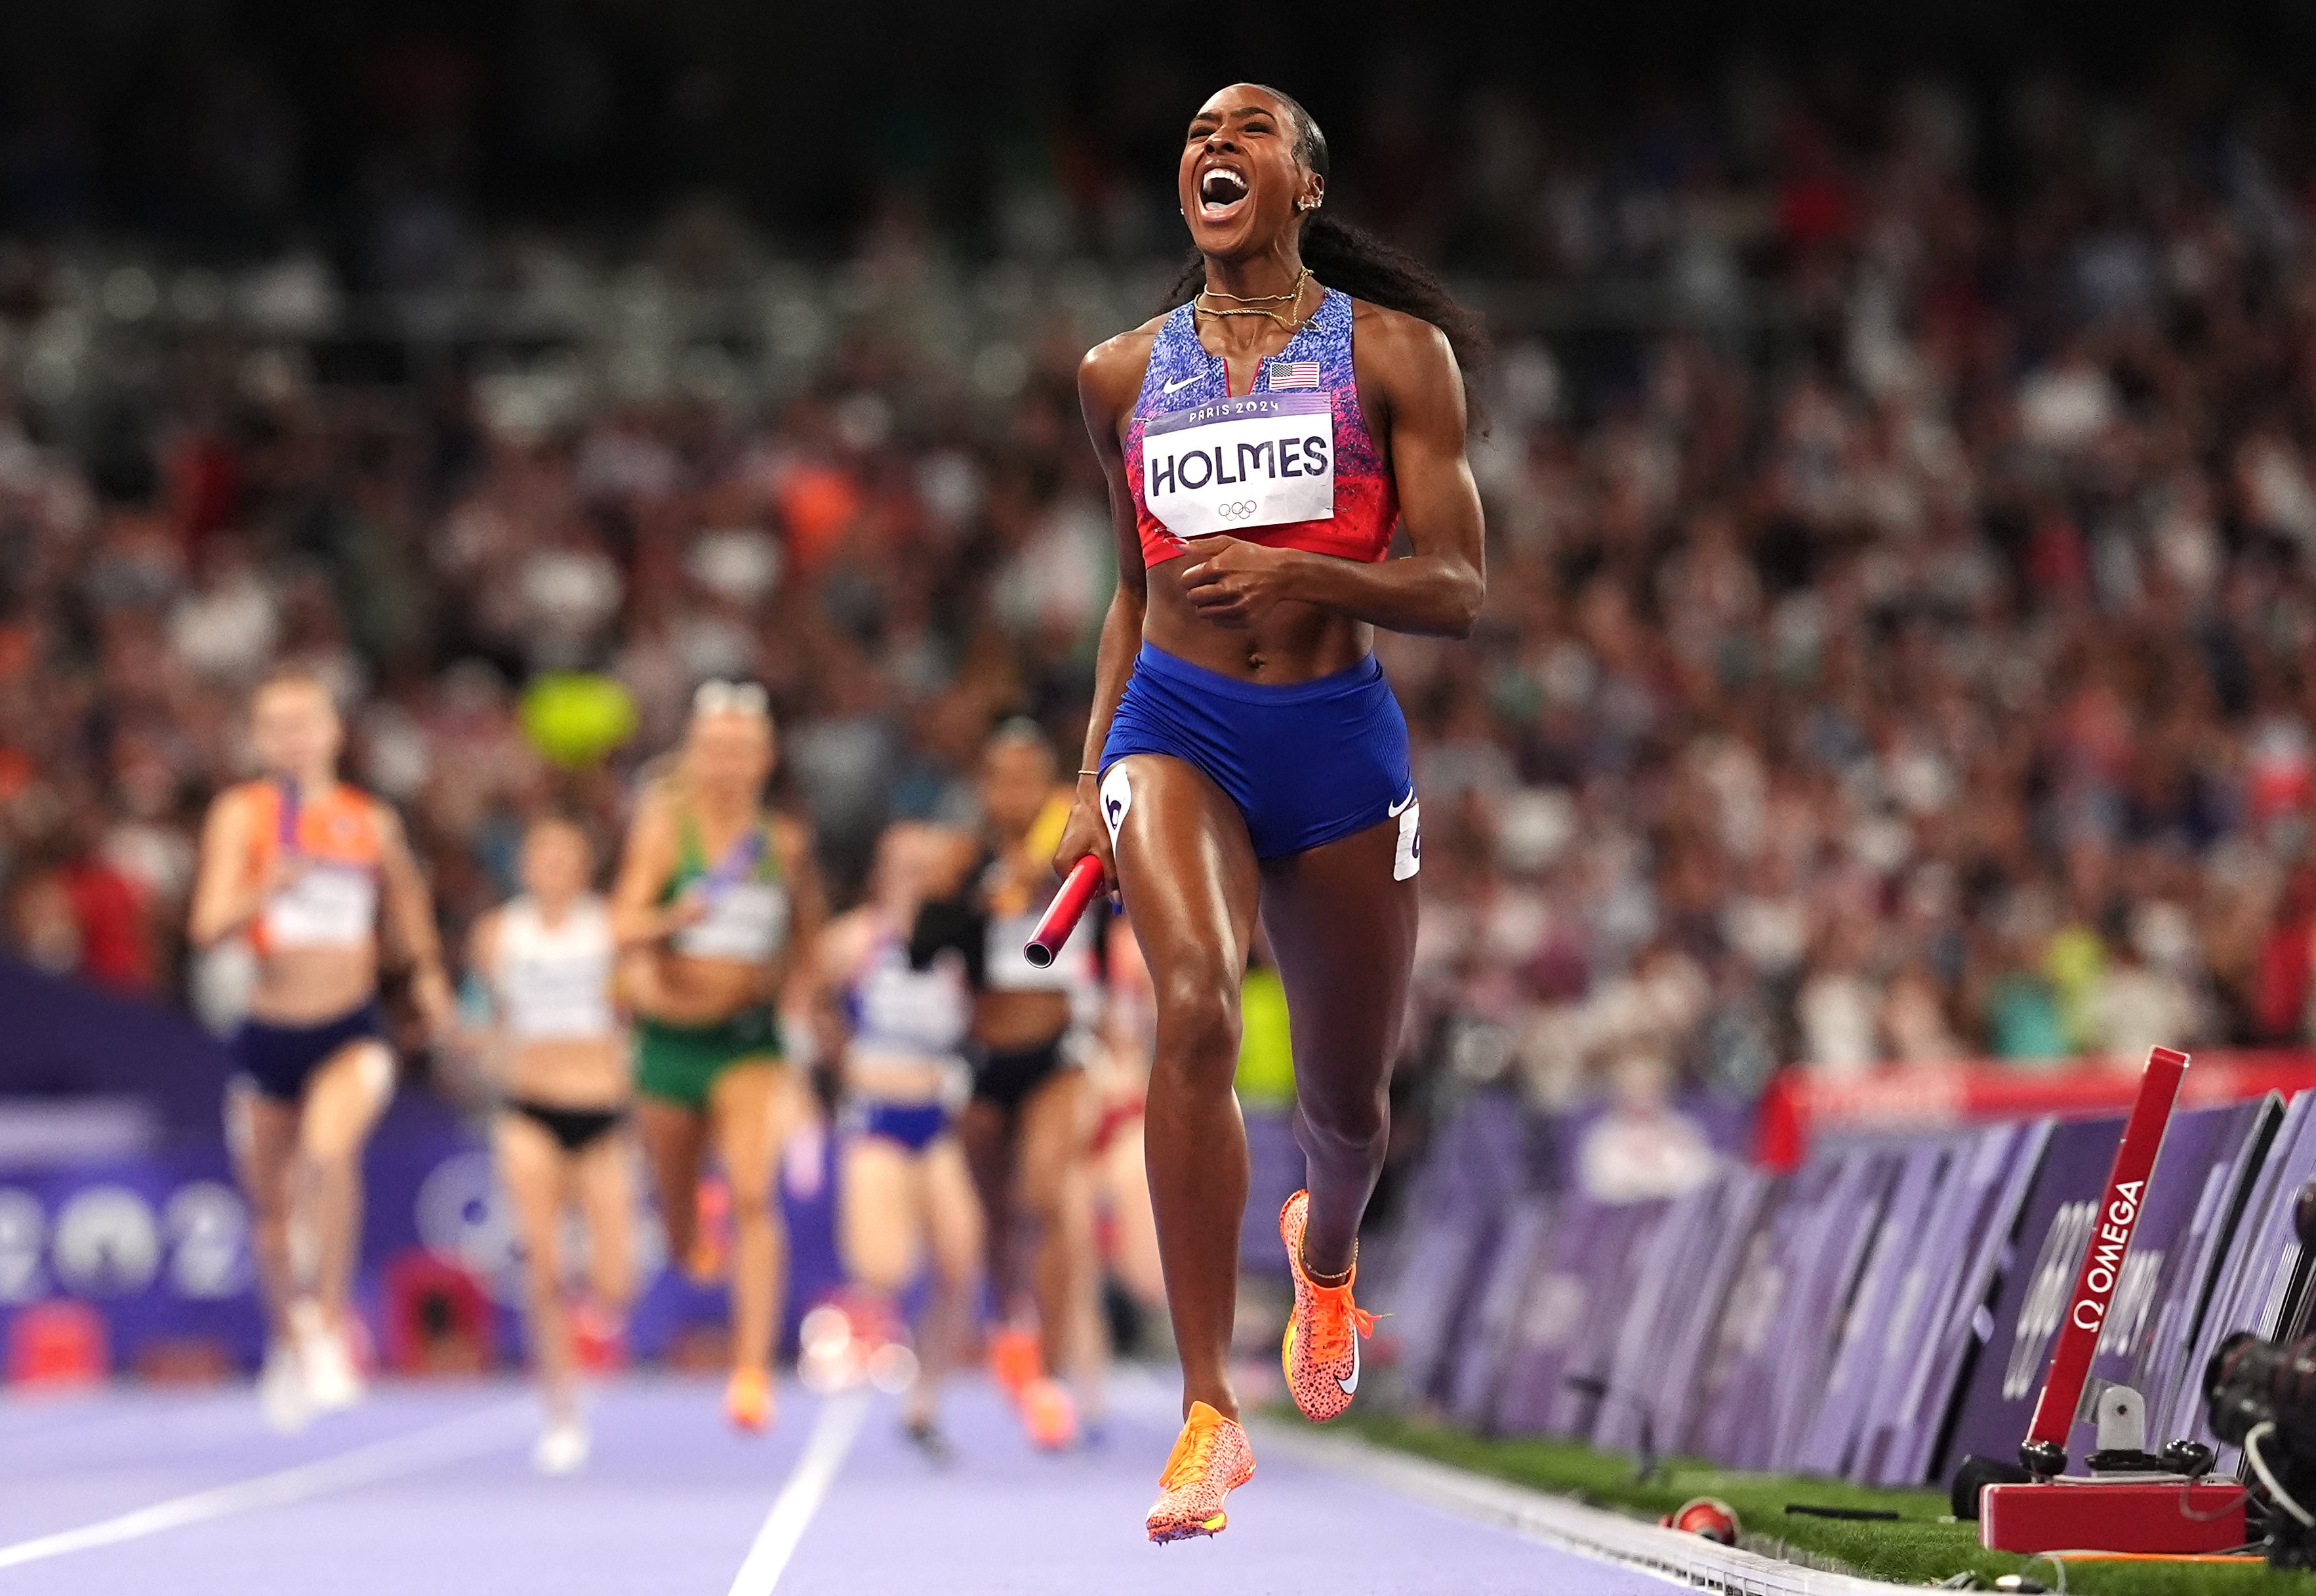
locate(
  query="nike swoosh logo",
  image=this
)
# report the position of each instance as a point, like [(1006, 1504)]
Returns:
[(1350, 1387), (1177, 386), (1400, 807)]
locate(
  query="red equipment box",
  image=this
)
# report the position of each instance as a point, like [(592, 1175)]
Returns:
[(2174, 1516)]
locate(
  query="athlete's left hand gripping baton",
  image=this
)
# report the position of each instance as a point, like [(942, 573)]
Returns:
[(1060, 918)]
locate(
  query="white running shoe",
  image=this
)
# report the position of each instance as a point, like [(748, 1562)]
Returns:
[(563, 1449), (333, 1383), (281, 1390)]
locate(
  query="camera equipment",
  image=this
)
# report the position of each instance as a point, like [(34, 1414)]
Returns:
[(2262, 1397)]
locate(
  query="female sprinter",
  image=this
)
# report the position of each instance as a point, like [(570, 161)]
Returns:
[(546, 959), (1024, 1128), (1263, 440), (904, 1190), (302, 865), (713, 895)]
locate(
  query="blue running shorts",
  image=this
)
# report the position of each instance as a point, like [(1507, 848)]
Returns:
[(1307, 764)]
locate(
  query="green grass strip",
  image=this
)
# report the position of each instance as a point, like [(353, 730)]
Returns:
[(1921, 1548)]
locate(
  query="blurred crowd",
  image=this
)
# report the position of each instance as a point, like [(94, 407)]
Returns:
[(1900, 620)]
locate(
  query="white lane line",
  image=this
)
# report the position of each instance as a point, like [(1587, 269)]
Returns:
[(806, 1488), (446, 1442)]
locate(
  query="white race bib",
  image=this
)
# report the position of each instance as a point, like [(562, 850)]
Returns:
[(1266, 459), (745, 921), (327, 907), (565, 998)]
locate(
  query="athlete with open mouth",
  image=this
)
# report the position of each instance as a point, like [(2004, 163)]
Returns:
[(1263, 442)]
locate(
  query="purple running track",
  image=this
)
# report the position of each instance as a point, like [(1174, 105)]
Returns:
[(431, 1488)]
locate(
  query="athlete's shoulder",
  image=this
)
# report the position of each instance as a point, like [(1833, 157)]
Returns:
[(238, 814), (361, 801), (245, 795), (1111, 371), (1397, 335), (385, 821)]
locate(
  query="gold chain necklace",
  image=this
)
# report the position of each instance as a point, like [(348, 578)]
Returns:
[(1252, 304)]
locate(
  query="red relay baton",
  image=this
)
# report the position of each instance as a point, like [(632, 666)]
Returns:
[(1061, 917)]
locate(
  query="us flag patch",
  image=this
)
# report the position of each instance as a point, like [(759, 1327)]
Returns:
[(1294, 374)]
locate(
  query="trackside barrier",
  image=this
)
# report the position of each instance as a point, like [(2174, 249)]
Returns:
[(1886, 1304)]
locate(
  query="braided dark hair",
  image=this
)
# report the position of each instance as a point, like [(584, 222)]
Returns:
[(1354, 260)]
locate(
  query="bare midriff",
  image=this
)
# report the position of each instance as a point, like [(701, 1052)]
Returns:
[(1016, 1021), (1294, 642), (308, 985), (704, 992), (570, 1072)]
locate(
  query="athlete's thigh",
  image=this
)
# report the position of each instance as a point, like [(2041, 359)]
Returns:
[(879, 1212), (344, 1096), (530, 1166), (748, 1106), (952, 1209), (603, 1174), (1342, 933), (1187, 872), (1053, 1136)]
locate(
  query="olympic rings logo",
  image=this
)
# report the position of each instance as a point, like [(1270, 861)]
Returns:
[(1237, 509)]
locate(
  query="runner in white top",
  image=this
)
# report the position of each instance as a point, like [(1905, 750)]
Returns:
[(546, 960)]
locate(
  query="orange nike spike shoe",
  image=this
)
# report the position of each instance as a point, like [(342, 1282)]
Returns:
[(1211, 1458), (1321, 1351)]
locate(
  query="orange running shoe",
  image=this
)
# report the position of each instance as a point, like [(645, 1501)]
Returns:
[(1014, 1360), (1321, 1353), (1049, 1415), (1211, 1458), (748, 1400)]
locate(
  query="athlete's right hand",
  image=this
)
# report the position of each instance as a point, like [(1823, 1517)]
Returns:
[(1085, 833)]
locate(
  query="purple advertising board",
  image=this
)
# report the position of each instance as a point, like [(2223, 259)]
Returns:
[(1970, 1222), (1824, 1282), (1956, 1328), (1775, 1332), (158, 1243), (2014, 1353), (1476, 1370), (2251, 1292), (1684, 1279), (1589, 1256), (1275, 1173), (2217, 1153), (1863, 1340), (2164, 1376), (1441, 1251), (1583, 1377)]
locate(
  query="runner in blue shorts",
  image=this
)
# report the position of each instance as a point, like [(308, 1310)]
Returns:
[(1264, 442)]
